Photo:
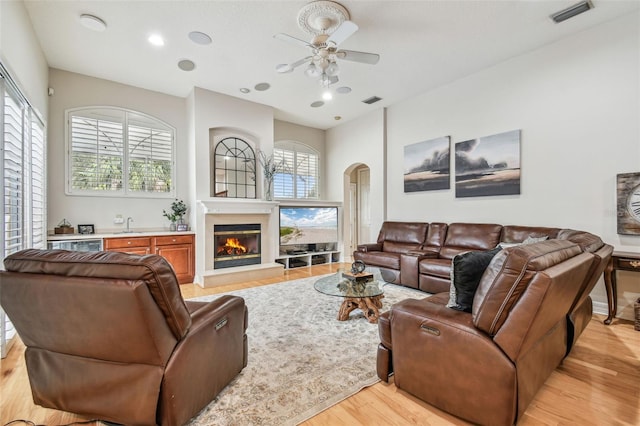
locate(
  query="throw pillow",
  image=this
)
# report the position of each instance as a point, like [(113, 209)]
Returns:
[(466, 272), (532, 240)]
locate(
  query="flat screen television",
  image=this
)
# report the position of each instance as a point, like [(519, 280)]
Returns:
[(308, 227)]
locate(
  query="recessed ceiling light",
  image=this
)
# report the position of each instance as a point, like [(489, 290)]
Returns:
[(199, 37), (244, 90), (343, 90), (317, 104), (93, 22), (262, 87), (337, 118), (186, 65), (156, 40)]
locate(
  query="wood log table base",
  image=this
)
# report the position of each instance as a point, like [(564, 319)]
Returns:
[(368, 305)]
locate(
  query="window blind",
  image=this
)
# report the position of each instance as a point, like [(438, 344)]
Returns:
[(299, 177)]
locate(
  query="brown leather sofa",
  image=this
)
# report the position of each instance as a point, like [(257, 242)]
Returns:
[(531, 305), (108, 336)]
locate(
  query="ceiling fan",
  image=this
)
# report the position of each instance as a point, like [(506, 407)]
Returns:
[(328, 22)]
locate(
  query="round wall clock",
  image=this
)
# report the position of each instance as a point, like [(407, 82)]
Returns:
[(628, 191)]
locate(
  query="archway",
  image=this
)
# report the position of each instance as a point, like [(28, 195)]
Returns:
[(357, 209)]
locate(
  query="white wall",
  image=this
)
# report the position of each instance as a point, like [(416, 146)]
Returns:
[(20, 53), (76, 90), (360, 141)]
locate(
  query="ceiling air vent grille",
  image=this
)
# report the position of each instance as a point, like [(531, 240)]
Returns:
[(372, 100), (572, 11)]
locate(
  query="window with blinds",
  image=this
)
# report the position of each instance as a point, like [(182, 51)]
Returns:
[(23, 157), (299, 176), (114, 151)]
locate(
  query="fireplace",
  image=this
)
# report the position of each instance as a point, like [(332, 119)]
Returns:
[(236, 245)]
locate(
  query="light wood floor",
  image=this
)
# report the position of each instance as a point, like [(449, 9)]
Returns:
[(598, 384)]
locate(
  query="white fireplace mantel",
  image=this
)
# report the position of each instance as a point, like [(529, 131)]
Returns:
[(237, 206)]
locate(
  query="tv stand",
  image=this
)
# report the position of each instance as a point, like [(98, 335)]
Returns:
[(291, 260)]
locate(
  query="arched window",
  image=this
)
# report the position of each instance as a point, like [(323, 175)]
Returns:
[(235, 165), (115, 151), (300, 176)]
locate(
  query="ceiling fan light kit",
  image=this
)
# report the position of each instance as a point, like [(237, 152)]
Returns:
[(328, 22)]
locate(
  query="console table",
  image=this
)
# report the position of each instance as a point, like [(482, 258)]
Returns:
[(620, 261)]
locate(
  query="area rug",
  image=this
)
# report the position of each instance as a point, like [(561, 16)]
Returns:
[(302, 360)]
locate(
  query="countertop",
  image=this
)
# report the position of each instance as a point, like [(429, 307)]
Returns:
[(67, 237)]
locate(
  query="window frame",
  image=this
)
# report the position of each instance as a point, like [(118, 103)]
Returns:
[(125, 191), (299, 148)]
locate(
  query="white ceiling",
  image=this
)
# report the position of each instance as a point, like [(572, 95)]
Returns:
[(422, 45)]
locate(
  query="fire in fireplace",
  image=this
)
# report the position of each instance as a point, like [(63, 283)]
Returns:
[(236, 245)]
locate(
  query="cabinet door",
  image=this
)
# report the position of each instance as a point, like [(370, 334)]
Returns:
[(181, 258)]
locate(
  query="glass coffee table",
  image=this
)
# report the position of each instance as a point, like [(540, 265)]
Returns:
[(366, 296)]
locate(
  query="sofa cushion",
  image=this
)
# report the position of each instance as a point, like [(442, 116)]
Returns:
[(466, 272), (438, 267), (517, 234), (379, 258), (470, 236)]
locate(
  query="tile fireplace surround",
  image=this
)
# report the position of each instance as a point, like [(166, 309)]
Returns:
[(226, 211)]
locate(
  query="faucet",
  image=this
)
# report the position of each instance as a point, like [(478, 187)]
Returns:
[(129, 220)]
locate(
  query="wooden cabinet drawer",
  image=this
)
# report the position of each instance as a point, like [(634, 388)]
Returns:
[(174, 239), (126, 243), (628, 264)]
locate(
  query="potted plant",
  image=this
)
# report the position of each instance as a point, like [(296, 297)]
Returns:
[(178, 209)]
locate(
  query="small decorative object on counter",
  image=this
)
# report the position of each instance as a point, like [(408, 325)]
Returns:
[(270, 168), (63, 227), (178, 209)]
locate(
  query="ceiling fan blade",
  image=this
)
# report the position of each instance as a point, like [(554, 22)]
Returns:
[(355, 56), (299, 62), (291, 39), (286, 68), (343, 32)]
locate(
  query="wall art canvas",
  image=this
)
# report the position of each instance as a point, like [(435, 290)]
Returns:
[(426, 165), (488, 165)]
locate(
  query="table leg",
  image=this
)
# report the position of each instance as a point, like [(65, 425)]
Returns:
[(611, 287), (368, 305)]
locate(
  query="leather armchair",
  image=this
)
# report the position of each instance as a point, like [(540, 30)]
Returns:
[(109, 336)]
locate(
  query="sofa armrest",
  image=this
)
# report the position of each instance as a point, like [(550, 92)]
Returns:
[(211, 354), (369, 247)]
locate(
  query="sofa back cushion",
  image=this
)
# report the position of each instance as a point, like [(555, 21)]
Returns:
[(436, 235), (508, 276), (470, 236), (152, 270), (400, 237), (517, 234)]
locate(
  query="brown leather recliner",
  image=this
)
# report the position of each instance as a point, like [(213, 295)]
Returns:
[(109, 336), (486, 366)]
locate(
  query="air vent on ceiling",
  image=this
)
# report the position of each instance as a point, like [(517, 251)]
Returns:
[(572, 11), (372, 100)]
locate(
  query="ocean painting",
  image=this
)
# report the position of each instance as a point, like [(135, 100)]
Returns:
[(426, 165), (488, 166)]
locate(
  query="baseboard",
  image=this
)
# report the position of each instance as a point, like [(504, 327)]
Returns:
[(601, 308)]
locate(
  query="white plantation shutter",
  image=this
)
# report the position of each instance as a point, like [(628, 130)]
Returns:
[(300, 175), (23, 158), (114, 151)]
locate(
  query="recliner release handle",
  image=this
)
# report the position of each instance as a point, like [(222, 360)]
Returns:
[(430, 330), (221, 323)]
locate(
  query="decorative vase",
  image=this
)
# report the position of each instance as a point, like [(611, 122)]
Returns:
[(172, 227), (268, 188)]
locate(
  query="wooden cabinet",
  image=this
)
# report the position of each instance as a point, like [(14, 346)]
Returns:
[(178, 249)]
